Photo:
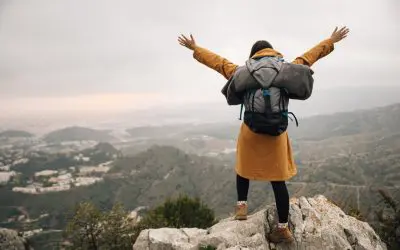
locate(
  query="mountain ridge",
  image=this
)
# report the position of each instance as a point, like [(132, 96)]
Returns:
[(77, 133), (15, 133)]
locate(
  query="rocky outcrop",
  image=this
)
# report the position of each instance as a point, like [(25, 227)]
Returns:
[(316, 223), (10, 240)]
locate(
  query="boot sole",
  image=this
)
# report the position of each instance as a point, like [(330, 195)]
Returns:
[(241, 217), (288, 240), (282, 241)]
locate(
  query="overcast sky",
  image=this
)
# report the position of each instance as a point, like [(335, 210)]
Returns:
[(120, 54)]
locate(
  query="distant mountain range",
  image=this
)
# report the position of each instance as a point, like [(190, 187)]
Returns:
[(345, 156), (78, 134), (74, 133), (381, 120), (14, 133), (323, 101)]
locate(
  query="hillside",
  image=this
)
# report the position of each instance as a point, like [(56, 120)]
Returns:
[(144, 180), (102, 148), (164, 171), (212, 138), (350, 182), (157, 131), (216, 130), (14, 133), (382, 120), (78, 134), (346, 157), (150, 177)]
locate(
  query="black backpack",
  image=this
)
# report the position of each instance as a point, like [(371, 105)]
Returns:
[(264, 86)]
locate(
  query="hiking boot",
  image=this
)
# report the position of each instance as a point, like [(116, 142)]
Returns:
[(279, 235), (241, 212)]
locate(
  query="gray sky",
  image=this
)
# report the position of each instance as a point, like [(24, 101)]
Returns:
[(123, 54)]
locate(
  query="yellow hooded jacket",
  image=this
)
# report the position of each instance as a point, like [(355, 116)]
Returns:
[(259, 156)]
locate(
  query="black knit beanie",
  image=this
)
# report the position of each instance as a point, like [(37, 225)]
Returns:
[(259, 45)]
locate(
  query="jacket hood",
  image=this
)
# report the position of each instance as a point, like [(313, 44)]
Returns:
[(264, 69), (266, 52)]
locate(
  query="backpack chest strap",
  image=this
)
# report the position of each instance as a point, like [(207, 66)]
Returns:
[(267, 99)]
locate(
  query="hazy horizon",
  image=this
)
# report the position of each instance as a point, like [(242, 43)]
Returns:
[(325, 102)]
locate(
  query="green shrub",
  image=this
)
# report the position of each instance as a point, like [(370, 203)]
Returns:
[(92, 229), (389, 223), (354, 212), (178, 213)]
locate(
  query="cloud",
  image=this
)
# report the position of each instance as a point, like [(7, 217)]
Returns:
[(61, 49), (93, 102)]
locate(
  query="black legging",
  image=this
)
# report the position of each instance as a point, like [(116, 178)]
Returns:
[(280, 191)]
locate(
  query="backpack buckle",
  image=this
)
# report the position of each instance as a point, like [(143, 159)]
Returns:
[(291, 113), (266, 92)]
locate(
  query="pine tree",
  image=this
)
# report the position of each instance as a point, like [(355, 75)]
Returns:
[(117, 229), (389, 222), (84, 229)]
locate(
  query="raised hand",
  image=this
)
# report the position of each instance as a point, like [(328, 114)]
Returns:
[(338, 35), (188, 43)]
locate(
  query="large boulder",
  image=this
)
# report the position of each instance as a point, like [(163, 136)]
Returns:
[(10, 240), (316, 223)]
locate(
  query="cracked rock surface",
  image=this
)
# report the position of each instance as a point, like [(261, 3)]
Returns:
[(10, 240), (316, 223)]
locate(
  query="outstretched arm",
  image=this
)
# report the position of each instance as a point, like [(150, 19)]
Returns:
[(323, 48), (208, 58)]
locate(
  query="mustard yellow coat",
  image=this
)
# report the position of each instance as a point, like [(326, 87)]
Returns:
[(262, 157)]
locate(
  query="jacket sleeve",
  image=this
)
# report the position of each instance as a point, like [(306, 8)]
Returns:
[(214, 61), (319, 51)]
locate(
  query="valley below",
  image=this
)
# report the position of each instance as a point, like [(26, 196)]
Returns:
[(348, 157)]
